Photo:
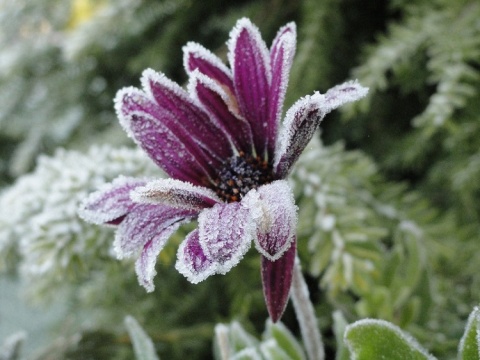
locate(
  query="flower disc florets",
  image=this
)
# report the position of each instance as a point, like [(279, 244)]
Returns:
[(240, 174)]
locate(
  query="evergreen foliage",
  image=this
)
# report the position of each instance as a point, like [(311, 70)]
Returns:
[(389, 203)]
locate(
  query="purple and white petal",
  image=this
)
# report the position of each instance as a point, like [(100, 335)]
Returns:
[(145, 264), (273, 208), (250, 62), (196, 57), (146, 223), (225, 234), (172, 97), (223, 109), (111, 202), (344, 93), (281, 59), (192, 261), (304, 117), (175, 193), (277, 280)]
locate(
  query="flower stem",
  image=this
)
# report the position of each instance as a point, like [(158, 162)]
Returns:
[(306, 317)]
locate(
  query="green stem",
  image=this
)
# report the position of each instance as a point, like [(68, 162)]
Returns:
[(307, 319)]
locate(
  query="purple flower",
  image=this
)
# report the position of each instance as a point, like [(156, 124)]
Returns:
[(220, 143)]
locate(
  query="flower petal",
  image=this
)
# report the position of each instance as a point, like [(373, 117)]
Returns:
[(275, 213), (304, 117), (223, 110), (111, 202), (281, 59), (145, 264), (196, 57), (175, 193), (192, 261), (147, 223), (225, 234), (277, 280), (249, 59), (167, 142), (173, 98)]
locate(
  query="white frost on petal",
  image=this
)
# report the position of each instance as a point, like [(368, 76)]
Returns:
[(344, 93), (274, 211), (204, 54), (254, 32), (123, 116), (225, 234), (175, 193), (145, 264), (192, 261), (110, 202)]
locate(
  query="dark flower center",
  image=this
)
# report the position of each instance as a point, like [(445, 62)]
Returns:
[(239, 174)]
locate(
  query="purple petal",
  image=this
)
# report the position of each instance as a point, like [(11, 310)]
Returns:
[(178, 156), (192, 261), (171, 97), (304, 117), (196, 57), (145, 264), (175, 193), (275, 213), (223, 110), (147, 223), (111, 202), (249, 59), (281, 58), (277, 280), (226, 232)]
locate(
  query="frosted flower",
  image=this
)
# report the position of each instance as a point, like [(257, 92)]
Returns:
[(220, 142)]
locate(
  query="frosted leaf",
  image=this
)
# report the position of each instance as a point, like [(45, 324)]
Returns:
[(145, 264), (144, 224), (198, 58), (175, 193), (110, 202), (250, 62), (275, 214), (192, 261), (225, 233)]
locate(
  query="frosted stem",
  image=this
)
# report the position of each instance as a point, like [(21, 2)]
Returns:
[(307, 319)]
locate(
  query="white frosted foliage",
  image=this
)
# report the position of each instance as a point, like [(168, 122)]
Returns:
[(38, 214)]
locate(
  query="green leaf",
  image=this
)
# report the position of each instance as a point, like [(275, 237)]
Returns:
[(285, 340), (142, 344), (469, 345), (378, 339)]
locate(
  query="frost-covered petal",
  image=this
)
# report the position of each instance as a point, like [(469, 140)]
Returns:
[(250, 62), (197, 58), (165, 148), (172, 97), (146, 223), (304, 117), (273, 208), (225, 234), (145, 264), (111, 202), (281, 58), (223, 109), (175, 193), (277, 280), (192, 261)]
